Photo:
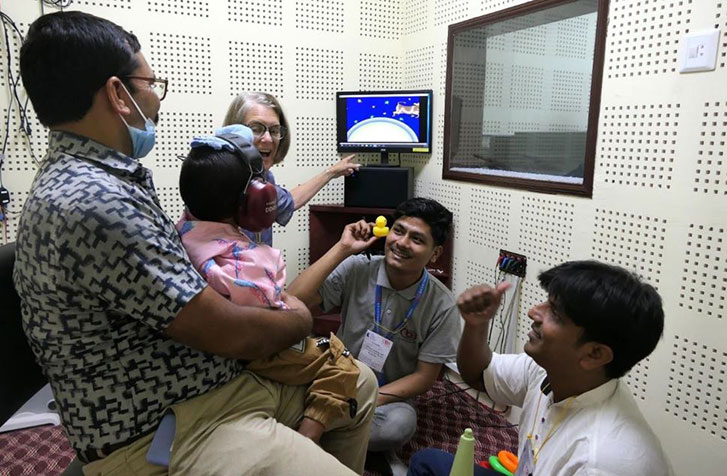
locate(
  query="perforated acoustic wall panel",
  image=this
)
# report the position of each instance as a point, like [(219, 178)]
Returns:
[(637, 378), (193, 8), (450, 195), (171, 201), (418, 67), (720, 18), (8, 75), (441, 85), (259, 12), (417, 15), (711, 165), (697, 378), (314, 149), (332, 193), (449, 11), (379, 72), (318, 73), (630, 240), (14, 208), (245, 73), (439, 139), (173, 142), (532, 294), (704, 278), (21, 149), (546, 229), (639, 52), (658, 204), (106, 4), (490, 218), (322, 15), (381, 19), (638, 144), (186, 58), (489, 6)]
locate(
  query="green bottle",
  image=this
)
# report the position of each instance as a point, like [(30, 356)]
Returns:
[(464, 459)]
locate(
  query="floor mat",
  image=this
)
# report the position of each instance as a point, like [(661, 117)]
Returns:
[(445, 411), (39, 451)]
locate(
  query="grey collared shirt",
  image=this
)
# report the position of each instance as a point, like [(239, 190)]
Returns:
[(101, 272), (432, 334)]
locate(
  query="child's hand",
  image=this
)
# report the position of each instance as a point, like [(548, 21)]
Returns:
[(311, 429), (292, 303)]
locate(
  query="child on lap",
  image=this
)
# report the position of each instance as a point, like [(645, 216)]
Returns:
[(212, 180)]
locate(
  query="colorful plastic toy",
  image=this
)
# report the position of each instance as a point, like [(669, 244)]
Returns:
[(508, 460), (380, 229), (497, 466), (465, 456)]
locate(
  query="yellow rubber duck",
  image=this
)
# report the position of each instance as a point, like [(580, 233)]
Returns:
[(380, 229)]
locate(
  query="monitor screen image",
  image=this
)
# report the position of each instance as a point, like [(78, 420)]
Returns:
[(397, 121)]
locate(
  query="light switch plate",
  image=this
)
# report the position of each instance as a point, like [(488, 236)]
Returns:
[(699, 51)]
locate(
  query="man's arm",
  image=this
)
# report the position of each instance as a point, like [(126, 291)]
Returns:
[(211, 323), (356, 237), (410, 385), (478, 306)]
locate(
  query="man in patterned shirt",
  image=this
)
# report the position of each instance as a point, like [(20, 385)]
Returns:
[(122, 324)]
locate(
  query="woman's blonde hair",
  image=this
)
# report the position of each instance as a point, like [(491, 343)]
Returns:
[(242, 104)]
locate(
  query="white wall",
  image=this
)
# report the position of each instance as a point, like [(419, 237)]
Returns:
[(658, 205)]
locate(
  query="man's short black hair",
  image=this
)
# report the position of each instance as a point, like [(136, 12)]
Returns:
[(431, 212), (67, 57), (612, 305), (211, 182)]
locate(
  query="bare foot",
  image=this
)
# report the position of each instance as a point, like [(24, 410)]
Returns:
[(311, 429)]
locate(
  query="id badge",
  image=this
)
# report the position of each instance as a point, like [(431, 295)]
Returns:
[(525, 464), (375, 350)]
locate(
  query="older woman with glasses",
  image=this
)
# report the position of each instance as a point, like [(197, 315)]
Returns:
[(262, 113)]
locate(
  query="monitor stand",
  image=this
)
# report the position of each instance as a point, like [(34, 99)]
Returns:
[(385, 159)]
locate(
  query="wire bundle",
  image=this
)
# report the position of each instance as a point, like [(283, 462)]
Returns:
[(58, 3), (508, 312), (13, 85)]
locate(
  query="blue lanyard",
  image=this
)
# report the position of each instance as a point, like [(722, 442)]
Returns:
[(407, 317)]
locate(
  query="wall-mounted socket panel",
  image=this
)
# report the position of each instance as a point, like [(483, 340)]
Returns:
[(699, 51)]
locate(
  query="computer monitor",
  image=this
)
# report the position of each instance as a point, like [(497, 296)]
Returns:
[(384, 121)]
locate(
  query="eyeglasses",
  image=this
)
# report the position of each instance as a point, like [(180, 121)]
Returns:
[(159, 86), (276, 132)]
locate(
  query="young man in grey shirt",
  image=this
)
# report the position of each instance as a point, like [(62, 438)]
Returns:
[(395, 317)]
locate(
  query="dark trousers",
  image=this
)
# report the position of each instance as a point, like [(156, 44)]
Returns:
[(432, 462)]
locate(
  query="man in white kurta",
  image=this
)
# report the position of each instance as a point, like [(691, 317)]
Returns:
[(579, 417)]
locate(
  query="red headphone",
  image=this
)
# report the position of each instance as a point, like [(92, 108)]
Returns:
[(257, 206)]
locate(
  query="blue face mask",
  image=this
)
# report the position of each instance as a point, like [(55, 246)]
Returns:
[(142, 141)]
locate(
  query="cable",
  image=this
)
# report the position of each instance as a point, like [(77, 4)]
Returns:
[(13, 84), (479, 405), (57, 3), (4, 220)]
